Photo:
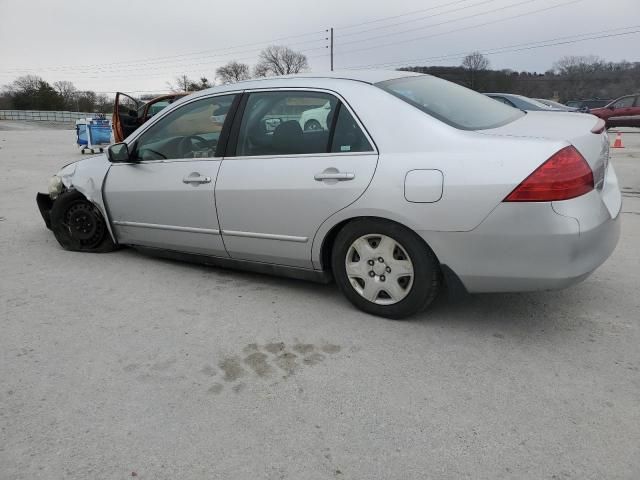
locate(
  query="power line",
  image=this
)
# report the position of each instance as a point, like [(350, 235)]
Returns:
[(515, 47), (175, 66), (417, 19), (487, 12), (458, 29), (383, 19), (133, 62)]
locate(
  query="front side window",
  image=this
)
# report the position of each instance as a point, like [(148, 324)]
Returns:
[(625, 102), (450, 103), (191, 131)]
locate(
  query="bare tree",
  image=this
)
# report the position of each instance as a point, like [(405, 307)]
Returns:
[(233, 72), (473, 63), (25, 84), (260, 70), (183, 83), (280, 60), (579, 65), (67, 91)]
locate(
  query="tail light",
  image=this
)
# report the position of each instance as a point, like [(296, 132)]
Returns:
[(563, 176)]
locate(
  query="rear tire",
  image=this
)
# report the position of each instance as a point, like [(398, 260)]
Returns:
[(384, 268), (312, 125), (78, 225)]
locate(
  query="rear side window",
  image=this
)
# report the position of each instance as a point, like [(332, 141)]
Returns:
[(450, 103), (286, 123), (297, 123)]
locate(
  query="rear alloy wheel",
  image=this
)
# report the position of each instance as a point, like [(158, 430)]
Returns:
[(312, 125), (379, 269), (384, 268), (78, 225)]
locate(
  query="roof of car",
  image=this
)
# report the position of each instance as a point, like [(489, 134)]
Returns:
[(365, 76)]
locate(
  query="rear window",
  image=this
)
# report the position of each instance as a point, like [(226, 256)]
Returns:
[(453, 104)]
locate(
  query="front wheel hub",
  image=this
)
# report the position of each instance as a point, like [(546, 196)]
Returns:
[(85, 224)]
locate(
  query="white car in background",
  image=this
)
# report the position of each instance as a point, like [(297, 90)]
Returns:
[(316, 118)]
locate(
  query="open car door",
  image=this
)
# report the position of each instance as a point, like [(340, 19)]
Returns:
[(157, 104), (125, 116)]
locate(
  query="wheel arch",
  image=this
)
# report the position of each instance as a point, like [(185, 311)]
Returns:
[(324, 247), (454, 286), (88, 177)]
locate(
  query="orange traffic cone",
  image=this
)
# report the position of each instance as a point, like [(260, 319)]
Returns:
[(618, 141)]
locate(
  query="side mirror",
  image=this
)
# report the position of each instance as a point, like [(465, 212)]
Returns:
[(612, 107), (118, 153)]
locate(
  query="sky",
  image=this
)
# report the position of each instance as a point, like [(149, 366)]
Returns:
[(140, 45)]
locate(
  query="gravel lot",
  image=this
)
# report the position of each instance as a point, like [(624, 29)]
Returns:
[(121, 365)]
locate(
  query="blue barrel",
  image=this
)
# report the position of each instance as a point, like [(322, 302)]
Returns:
[(81, 134), (100, 132)]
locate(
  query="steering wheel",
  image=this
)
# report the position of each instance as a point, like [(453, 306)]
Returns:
[(186, 146)]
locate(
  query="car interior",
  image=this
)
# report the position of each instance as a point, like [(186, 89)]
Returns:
[(190, 132), (272, 126)]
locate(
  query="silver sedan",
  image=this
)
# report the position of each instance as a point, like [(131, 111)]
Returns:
[(409, 184)]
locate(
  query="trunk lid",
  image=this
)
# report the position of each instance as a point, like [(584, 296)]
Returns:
[(574, 128)]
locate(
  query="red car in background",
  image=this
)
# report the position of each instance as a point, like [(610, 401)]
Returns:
[(622, 112)]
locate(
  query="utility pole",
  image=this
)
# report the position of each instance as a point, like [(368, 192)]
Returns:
[(332, 49)]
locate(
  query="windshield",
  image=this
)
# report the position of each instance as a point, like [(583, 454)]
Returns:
[(453, 104)]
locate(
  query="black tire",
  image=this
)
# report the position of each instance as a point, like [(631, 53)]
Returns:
[(312, 125), (426, 269), (78, 225)]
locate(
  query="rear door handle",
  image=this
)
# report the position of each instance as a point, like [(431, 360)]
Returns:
[(340, 176), (196, 178)]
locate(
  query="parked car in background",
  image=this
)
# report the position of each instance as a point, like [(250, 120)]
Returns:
[(622, 112), (129, 113), (315, 118), (492, 199), (522, 102), (557, 105), (588, 104)]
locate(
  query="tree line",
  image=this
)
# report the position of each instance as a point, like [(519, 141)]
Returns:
[(274, 60), (571, 77), (31, 92)]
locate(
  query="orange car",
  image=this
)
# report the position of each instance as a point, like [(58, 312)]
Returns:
[(129, 113)]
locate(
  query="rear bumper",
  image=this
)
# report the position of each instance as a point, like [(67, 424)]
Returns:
[(44, 205), (534, 246)]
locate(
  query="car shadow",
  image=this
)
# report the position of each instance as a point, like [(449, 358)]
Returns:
[(522, 315)]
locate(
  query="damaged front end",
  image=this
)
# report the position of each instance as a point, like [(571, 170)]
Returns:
[(45, 203), (85, 176)]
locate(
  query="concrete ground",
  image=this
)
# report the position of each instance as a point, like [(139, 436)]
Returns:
[(121, 365)]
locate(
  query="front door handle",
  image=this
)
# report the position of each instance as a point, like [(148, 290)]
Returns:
[(340, 176), (196, 178)]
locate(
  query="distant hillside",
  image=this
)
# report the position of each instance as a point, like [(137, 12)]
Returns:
[(601, 80)]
